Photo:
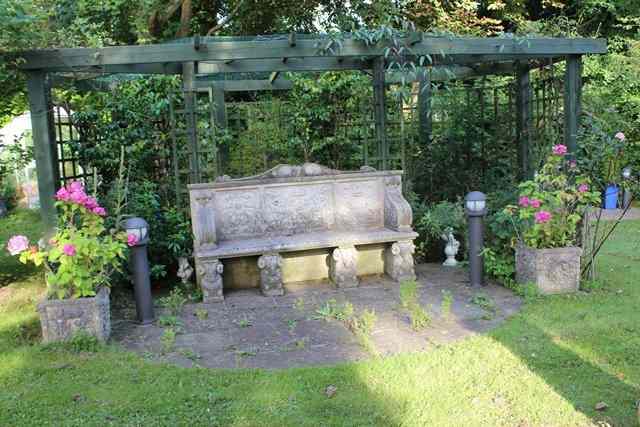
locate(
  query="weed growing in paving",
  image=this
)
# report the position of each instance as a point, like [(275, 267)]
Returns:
[(189, 354), (447, 301), (167, 320), (419, 317), (486, 303), (291, 324), (244, 322), (299, 304), (174, 302), (331, 310), (202, 314), (362, 326), (168, 340)]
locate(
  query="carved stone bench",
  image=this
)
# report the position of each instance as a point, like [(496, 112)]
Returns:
[(299, 208)]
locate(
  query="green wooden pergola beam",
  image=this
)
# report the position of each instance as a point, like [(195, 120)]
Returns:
[(244, 85), (78, 58)]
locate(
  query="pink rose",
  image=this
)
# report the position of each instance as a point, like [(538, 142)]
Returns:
[(69, 250), (559, 150), (583, 188), (76, 187), (99, 210), (535, 203), (542, 217), (91, 203), (62, 194), (17, 244), (132, 239), (523, 201), (79, 198), (620, 136)]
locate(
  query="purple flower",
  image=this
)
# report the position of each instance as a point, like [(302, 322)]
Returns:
[(620, 136), (523, 201), (69, 250), (99, 210), (132, 239), (535, 203), (78, 197), (542, 217), (76, 187), (91, 203), (560, 150), (17, 244), (583, 188), (573, 164), (62, 194)]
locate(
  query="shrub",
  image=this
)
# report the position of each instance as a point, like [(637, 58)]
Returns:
[(551, 205), (81, 256)]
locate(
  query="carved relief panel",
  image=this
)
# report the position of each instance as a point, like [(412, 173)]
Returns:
[(359, 205), (238, 213)]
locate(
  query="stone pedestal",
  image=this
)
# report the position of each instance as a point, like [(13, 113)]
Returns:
[(553, 271), (398, 261), (209, 273), (270, 266), (343, 267), (61, 319)]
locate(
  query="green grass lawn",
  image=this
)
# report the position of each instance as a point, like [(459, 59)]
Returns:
[(549, 365)]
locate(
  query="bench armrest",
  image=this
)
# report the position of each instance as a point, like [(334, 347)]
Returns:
[(397, 211), (203, 221)]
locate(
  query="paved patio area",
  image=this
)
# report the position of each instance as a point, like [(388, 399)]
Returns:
[(249, 330)]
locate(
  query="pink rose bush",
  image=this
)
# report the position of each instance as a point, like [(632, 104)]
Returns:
[(82, 254), (552, 205), (132, 240), (560, 150), (17, 245)]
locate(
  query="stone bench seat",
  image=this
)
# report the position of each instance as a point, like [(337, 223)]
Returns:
[(296, 209), (301, 242)]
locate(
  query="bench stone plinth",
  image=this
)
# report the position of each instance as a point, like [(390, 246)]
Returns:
[(270, 266), (343, 265), (398, 263), (300, 208)]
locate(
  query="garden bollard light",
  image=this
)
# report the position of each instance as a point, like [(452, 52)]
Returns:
[(476, 209), (139, 263), (626, 198)]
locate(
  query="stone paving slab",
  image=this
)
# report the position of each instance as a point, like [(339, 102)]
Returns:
[(248, 330)]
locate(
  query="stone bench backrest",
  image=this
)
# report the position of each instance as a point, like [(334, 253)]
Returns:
[(274, 204)]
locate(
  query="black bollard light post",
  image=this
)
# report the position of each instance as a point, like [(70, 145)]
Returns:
[(139, 263), (476, 209)]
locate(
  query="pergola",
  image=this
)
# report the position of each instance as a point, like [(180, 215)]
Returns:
[(199, 57)]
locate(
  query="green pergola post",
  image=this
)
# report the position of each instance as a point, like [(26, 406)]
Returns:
[(424, 107), (220, 121), (44, 146), (191, 119), (380, 113), (572, 99), (523, 120)]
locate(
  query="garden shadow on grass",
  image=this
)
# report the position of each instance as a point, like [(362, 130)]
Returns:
[(577, 380)]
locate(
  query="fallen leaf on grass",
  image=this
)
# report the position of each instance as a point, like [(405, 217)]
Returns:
[(330, 391)]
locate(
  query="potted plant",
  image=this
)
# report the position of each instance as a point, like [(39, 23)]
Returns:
[(547, 219), (78, 261)]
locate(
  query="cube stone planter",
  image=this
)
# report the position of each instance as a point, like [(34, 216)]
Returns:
[(61, 319), (553, 271)]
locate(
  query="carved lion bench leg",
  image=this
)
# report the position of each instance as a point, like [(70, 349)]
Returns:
[(210, 279), (398, 261), (270, 266), (343, 267)]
